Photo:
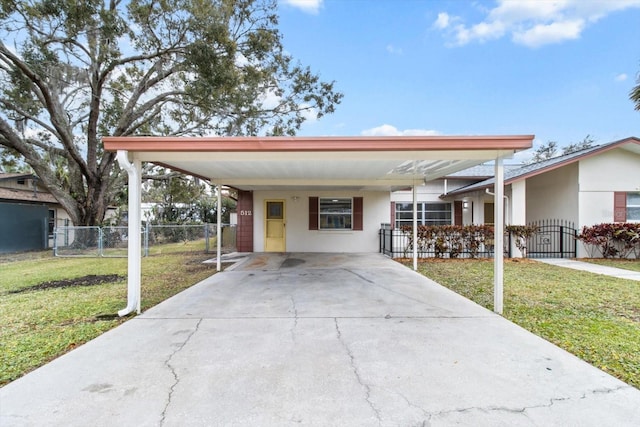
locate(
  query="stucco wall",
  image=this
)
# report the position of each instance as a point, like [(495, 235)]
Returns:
[(554, 195), (376, 210), (600, 177)]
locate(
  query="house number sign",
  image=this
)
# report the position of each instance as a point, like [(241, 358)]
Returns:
[(245, 213)]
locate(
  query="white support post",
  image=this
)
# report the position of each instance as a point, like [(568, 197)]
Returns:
[(134, 268), (415, 228), (219, 229), (498, 251)]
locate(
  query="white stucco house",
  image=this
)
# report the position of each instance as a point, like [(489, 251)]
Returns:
[(310, 194), (592, 186)]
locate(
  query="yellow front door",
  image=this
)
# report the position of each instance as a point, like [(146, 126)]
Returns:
[(274, 227)]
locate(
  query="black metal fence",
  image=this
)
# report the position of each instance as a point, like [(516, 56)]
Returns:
[(396, 243), (556, 238)]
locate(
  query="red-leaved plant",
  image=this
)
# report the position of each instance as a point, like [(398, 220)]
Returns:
[(612, 240)]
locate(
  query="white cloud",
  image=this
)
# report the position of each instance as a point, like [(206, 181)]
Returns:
[(389, 130), (443, 21), (621, 77), (394, 50), (532, 23), (555, 32), (309, 6)]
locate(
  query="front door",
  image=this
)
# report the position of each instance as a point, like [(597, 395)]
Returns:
[(274, 228)]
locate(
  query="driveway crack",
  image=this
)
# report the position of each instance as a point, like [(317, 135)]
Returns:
[(356, 373), (176, 377), (523, 409), (295, 318)]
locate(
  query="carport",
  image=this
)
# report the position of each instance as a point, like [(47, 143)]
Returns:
[(363, 164)]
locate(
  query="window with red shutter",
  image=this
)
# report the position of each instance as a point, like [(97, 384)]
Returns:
[(357, 213), (457, 212), (619, 206), (313, 213)]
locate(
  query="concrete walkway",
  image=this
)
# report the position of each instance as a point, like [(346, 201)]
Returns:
[(592, 268), (318, 340)]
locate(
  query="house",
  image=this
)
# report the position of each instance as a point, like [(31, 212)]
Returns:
[(28, 213), (432, 209), (309, 194), (592, 186)]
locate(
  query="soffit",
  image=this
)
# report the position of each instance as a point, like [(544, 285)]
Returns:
[(320, 163)]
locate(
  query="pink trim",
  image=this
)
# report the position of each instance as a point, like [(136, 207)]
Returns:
[(315, 144)]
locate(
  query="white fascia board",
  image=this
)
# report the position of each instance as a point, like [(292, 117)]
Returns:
[(318, 182), (265, 156)]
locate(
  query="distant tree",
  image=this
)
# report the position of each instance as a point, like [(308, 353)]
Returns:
[(587, 142), (634, 95), (550, 149), (545, 152), (72, 71)]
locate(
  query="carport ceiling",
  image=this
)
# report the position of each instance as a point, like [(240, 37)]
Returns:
[(355, 163)]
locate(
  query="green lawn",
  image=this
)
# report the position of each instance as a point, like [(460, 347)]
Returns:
[(626, 264), (39, 325), (595, 317)]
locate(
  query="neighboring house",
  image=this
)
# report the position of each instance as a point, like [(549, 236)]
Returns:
[(432, 209), (592, 186), (28, 213)]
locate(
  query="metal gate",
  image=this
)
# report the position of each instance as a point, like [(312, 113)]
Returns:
[(556, 238)]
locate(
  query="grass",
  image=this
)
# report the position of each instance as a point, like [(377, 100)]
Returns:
[(626, 264), (595, 317), (40, 325)]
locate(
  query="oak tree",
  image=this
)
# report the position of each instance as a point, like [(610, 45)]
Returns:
[(73, 71)]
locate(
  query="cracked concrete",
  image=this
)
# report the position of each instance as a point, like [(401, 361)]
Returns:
[(355, 340), (294, 310), (354, 367), (173, 370)]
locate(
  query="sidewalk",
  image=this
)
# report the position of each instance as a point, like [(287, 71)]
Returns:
[(592, 268)]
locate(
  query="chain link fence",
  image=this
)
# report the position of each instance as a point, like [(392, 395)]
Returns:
[(112, 241)]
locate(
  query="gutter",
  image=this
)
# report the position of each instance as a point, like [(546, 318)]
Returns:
[(134, 239), (506, 214)]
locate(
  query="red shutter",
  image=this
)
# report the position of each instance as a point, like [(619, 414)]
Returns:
[(357, 213), (619, 206), (457, 212), (393, 215), (313, 213)]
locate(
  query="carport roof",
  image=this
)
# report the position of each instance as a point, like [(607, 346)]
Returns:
[(354, 163)]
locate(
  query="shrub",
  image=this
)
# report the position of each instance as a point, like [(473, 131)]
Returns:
[(522, 233), (449, 240), (612, 239)]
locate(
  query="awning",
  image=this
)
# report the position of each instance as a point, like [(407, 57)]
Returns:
[(358, 163)]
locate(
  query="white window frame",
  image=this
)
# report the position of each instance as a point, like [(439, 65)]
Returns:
[(422, 214), (635, 206), (334, 200)]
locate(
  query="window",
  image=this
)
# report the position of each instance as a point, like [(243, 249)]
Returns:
[(428, 214), (626, 207), (336, 213), (52, 222), (633, 206)]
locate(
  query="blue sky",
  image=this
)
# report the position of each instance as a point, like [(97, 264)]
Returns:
[(557, 69)]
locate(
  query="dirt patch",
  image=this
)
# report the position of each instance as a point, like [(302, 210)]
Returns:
[(90, 280)]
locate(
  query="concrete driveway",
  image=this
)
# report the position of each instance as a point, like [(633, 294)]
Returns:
[(318, 340)]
